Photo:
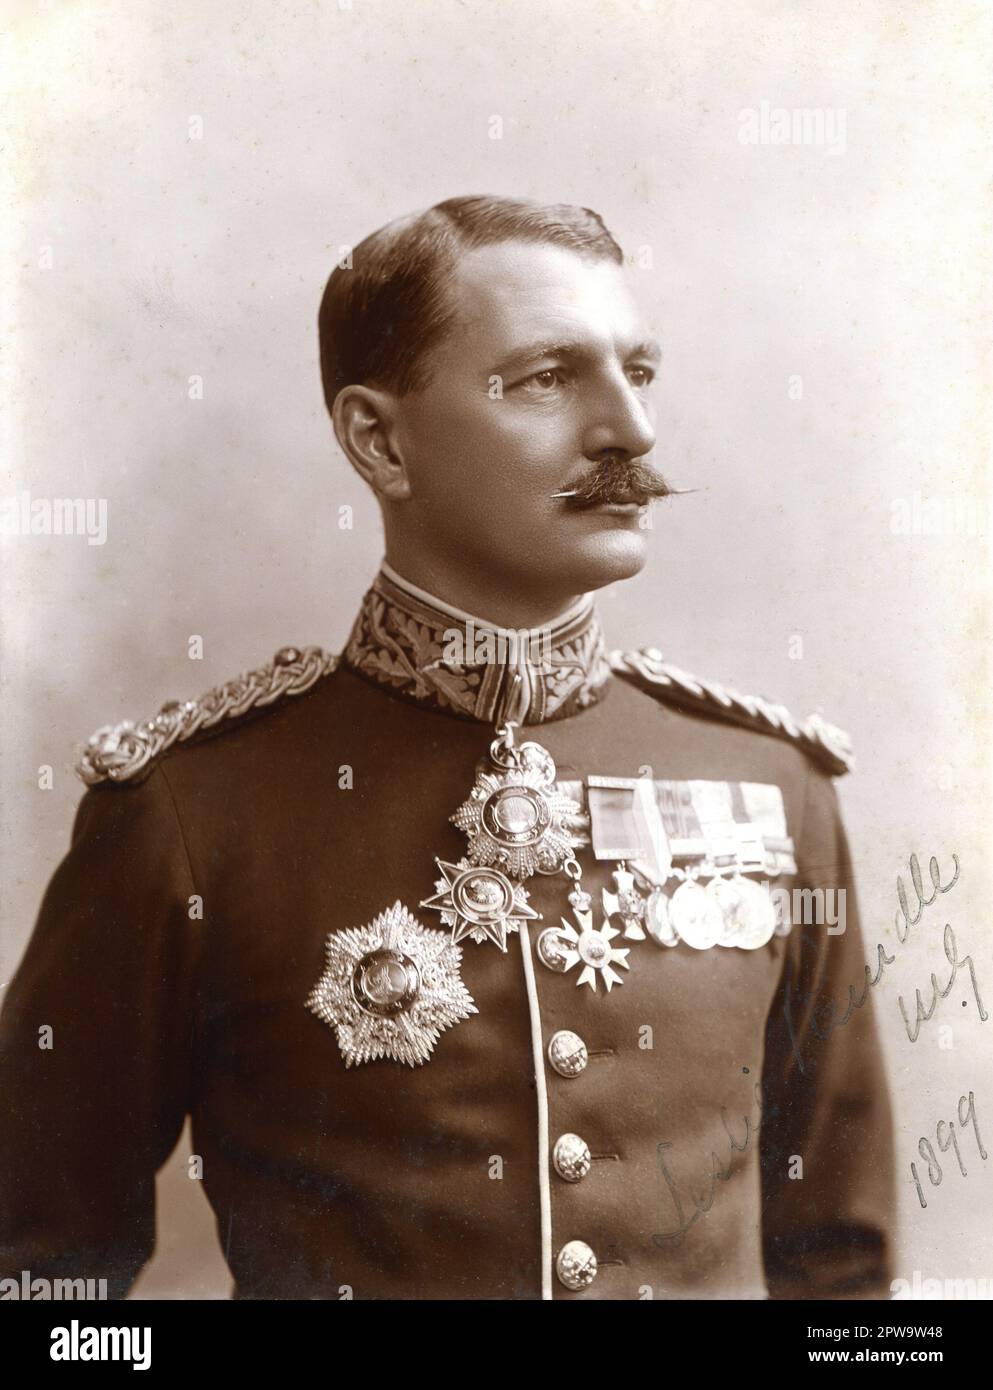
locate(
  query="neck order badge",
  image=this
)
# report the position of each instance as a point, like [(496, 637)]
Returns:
[(517, 822)]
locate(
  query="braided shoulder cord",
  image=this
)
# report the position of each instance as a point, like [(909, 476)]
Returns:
[(645, 667), (117, 752)]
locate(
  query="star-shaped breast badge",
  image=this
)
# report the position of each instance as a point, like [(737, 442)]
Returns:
[(515, 823), (479, 902), (390, 989)]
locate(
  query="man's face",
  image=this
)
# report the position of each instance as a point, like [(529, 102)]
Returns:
[(545, 373)]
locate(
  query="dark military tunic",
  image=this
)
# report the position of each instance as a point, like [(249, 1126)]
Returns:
[(705, 1077)]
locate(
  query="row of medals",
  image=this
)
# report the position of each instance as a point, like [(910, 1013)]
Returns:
[(517, 822)]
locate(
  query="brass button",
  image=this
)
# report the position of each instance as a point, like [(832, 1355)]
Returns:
[(567, 1053), (575, 1265), (571, 1157)]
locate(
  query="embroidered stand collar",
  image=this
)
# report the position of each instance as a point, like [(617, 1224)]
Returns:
[(434, 654)]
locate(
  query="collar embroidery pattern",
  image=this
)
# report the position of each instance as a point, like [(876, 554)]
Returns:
[(435, 658)]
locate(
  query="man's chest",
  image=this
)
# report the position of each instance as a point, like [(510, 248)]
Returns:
[(365, 822)]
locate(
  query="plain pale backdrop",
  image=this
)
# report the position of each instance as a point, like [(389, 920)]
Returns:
[(143, 256)]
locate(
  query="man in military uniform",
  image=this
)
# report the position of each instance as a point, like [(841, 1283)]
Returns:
[(466, 949)]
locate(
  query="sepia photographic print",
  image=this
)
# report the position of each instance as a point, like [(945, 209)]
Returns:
[(495, 630)]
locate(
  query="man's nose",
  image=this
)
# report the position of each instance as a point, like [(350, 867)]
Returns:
[(618, 422)]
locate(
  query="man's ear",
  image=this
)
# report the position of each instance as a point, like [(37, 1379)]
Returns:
[(363, 424)]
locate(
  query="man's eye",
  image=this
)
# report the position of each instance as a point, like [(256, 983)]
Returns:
[(544, 380), (641, 376)]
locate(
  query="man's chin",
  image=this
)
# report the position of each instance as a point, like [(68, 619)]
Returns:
[(606, 555)]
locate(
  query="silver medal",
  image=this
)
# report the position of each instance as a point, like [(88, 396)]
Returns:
[(657, 921), (695, 916), (748, 912)]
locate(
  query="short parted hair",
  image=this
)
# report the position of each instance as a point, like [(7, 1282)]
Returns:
[(380, 316)]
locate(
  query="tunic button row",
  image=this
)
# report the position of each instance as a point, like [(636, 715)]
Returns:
[(571, 1157), (567, 1053), (575, 1265)]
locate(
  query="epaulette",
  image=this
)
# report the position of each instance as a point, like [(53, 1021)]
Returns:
[(825, 743), (117, 752)]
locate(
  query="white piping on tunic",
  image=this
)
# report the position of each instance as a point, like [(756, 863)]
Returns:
[(541, 1093)]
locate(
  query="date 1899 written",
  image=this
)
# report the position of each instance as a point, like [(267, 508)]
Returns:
[(947, 1139)]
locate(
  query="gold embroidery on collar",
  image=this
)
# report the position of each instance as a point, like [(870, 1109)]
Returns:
[(402, 641)]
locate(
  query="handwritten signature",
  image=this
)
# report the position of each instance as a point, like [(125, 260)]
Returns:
[(717, 1173), (824, 1019)]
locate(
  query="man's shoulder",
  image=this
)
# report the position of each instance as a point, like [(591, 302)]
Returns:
[(267, 701), (699, 698), (126, 753)]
